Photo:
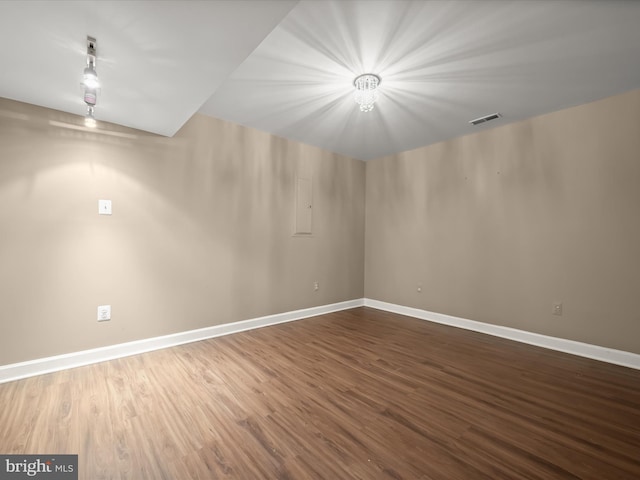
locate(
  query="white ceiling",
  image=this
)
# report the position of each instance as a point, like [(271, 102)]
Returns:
[(287, 67), (158, 61)]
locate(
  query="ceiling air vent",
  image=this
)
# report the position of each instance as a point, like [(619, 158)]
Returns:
[(486, 118)]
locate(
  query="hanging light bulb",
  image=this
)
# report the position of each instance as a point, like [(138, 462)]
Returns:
[(89, 119), (90, 77), (90, 83), (90, 97)]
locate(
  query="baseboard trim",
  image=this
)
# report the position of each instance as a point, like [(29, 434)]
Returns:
[(17, 371), (595, 352)]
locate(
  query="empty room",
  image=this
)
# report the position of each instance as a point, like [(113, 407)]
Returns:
[(280, 239)]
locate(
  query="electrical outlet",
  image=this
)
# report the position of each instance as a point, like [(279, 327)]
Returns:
[(557, 308), (316, 286), (104, 207), (104, 313)]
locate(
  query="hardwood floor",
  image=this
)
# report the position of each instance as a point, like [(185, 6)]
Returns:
[(359, 394)]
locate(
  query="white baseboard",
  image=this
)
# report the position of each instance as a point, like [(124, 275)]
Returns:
[(40, 366), (595, 352)]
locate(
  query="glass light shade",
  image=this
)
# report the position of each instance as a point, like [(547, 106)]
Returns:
[(90, 96), (366, 91), (90, 78), (89, 119)]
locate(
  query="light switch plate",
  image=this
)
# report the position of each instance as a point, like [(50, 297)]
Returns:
[(557, 308), (104, 313), (104, 207)]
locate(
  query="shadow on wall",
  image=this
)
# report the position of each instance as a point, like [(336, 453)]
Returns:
[(169, 244), (201, 231)]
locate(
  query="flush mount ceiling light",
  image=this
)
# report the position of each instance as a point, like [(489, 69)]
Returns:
[(90, 82), (366, 91)]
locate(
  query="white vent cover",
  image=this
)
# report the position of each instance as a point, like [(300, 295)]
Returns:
[(484, 119)]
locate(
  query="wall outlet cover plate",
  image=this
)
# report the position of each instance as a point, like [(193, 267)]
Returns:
[(104, 313), (104, 207)]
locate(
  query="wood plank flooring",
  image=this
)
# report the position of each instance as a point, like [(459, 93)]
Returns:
[(359, 394)]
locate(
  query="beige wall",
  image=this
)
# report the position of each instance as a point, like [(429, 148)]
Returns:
[(201, 231), (494, 226), (498, 225)]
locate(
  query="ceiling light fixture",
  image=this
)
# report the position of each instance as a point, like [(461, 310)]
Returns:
[(89, 119), (90, 77), (366, 91), (90, 82)]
